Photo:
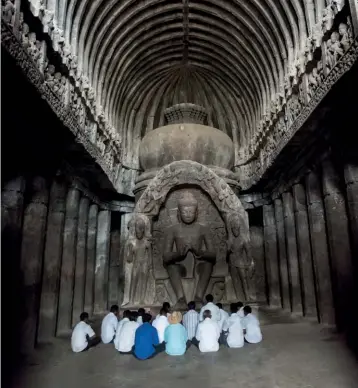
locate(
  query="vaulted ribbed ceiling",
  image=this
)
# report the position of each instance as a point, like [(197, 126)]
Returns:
[(142, 56)]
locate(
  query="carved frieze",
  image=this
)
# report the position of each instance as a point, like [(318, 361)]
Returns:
[(253, 171), (53, 87)]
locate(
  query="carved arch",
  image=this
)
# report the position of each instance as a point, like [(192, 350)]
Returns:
[(192, 173)]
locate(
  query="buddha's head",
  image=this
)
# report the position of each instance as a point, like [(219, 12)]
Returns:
[(188, 208)]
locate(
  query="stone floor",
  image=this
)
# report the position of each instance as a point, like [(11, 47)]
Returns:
[(298, 355)]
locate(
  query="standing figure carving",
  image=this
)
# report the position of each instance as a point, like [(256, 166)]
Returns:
[(188, 236), (241, 264), (138, 261)]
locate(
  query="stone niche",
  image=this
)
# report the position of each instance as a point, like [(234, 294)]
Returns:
[(189, 234), (220, 282)]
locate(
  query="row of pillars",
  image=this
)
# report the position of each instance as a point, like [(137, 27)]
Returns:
[(310, 239), (68, 256)]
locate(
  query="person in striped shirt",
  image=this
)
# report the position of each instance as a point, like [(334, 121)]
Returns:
[(191, 320)]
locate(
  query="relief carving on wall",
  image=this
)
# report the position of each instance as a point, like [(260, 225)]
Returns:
[(190, 207)]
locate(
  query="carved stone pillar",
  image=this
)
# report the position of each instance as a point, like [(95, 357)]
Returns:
[(291, 248), (113, 295), (319, 246), (81, 255), (304, 252), (52, 262), (339, 244), (12, 202), (258, 254), (281, 244), (102, 260), (64, 321), (32, 249), (91, 258), (351, 179), (270, 244)]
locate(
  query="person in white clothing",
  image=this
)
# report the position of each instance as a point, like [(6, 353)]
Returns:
[(161, 323), (223, 316), (141, 312), (235, 337), (109, 325), (240, 307), (127, 335), (251, 326), (83, 336), (215, 311), (126, 315), (207, 335), (191, 320)]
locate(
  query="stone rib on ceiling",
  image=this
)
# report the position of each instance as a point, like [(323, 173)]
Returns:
[(142, 56)]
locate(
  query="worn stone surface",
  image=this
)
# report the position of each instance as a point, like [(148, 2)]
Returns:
[(351, 179), (304, 251), (319, 244), (102, 261), (91, 258), (12, 202), (339, 244), (282, 254), (52, 262), (320, 360), (114, 269), (65, 304), (258, 254), (33, 239), (292, 254), (208, 146), (81, 258), (271, 257)]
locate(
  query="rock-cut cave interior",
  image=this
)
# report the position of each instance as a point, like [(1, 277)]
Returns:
[(161, 150)]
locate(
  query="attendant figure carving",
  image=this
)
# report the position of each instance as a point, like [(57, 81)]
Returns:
[(188, 236), (138, 254), (8, 12), (334, 50), (345, 32), (241, 264)]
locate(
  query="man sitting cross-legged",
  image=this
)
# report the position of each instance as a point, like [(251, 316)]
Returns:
[(146, 340), (109, 325), (235, 337), (208, 334), (191, 320), (83, 336), (126, 316), (215, 311), (127, 335), (175, 336), (161, 323), (251, 327)]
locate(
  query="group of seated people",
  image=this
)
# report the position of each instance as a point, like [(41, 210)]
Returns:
[(171, 332)]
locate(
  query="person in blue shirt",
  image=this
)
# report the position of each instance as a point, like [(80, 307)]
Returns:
[(176, 336), (146, 340)]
